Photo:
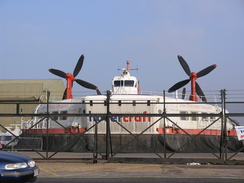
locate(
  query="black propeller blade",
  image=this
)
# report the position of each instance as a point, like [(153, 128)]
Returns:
[(179, 85), (65, 94), (200, 93), (184, 93), (58, 73), (184, 65), (206, 70), (78, 66), (86, 84)]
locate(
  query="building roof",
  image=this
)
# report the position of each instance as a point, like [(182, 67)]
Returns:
[(31, 89)]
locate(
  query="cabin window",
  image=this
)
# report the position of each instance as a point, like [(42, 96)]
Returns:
[(63, 117), (118, 83), (55, 117), (204, 117), (184, 117), (129, 83), (119, 103), (194, 118), (148, 103), (212, 118)]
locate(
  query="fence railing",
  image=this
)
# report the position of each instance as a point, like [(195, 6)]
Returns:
[(93, 139)]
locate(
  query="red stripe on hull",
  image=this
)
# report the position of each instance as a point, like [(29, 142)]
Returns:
[(54, 131), (194, 131)]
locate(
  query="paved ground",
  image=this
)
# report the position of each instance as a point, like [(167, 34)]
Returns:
[(69, 167), (59, 169)]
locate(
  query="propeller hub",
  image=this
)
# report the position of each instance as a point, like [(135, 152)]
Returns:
[(70, 76), (193, 75)]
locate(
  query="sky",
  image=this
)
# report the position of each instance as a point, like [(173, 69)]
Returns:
[(42, 34)]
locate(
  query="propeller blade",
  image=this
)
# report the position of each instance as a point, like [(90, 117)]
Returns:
[(178, 85), (206, 70), (65, 94), (184, 65), (200, 93), (184, 93), (58, 73), (86, 84), (78, 66), (98, 92)]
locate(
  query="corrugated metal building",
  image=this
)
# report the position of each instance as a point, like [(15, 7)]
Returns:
[(27, 92)]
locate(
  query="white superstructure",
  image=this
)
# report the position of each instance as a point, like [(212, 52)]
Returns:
[(125, 99)]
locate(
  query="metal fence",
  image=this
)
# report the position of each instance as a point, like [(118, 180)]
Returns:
[(105, 146)]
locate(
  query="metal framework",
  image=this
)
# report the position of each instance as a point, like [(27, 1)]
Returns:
[(221, 156)]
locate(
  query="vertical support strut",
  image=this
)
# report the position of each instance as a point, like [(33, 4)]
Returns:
[(108, 138), (223, 142), (164, 126), (95, 143), (48, 96)]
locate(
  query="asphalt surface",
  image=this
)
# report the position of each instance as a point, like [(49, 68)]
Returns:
[(76, 167), (142, 180), (124, 172)]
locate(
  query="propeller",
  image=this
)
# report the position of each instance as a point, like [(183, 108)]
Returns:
[(184, 93), (195, 88), (71, 78)]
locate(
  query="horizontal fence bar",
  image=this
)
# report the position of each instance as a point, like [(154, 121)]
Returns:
[(119, 114)]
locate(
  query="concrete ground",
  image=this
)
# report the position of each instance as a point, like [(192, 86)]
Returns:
[(77, 165), (118, 170)]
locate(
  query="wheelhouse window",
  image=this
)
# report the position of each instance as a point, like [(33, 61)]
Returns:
[(128, 83), (118, 83)]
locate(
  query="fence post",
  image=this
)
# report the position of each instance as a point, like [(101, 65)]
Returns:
[(48, 96), (164, 112), (108, 140), (95, 153), (223, 126)]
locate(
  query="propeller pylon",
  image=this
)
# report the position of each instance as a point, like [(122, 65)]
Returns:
[(195, 88), (70, 78)]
